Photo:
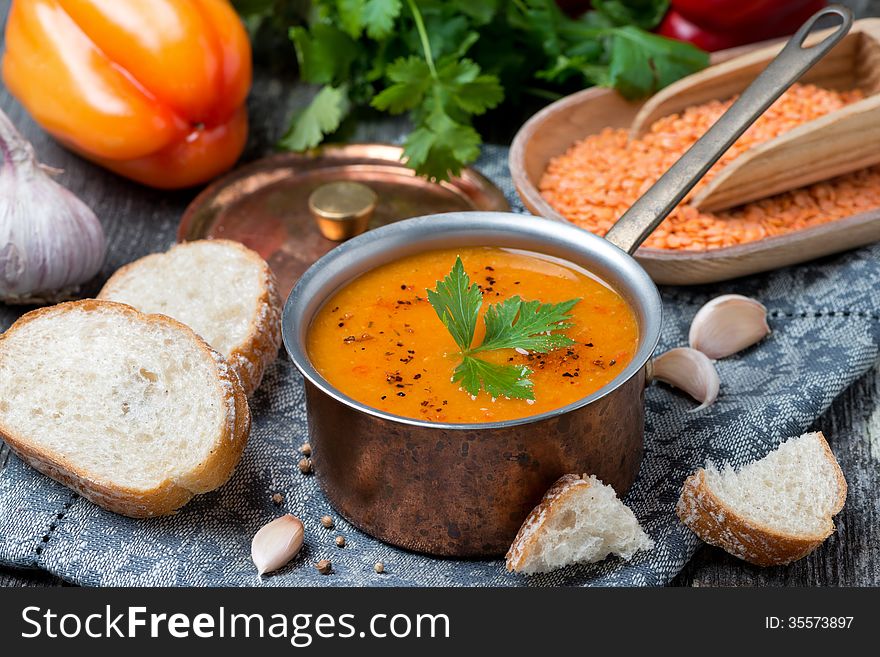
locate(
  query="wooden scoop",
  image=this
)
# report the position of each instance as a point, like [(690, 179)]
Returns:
[(840, 142)]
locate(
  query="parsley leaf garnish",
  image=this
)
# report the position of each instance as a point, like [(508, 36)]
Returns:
[(515, 323), (457, 303), (498, 380), (510, 324)]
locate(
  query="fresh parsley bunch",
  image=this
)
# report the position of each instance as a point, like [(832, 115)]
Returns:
[(446, 62), (510, 324)]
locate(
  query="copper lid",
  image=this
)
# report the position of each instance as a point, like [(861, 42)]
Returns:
[(265, 204)]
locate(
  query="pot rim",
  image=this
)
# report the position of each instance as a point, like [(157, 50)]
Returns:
[(448, 226)]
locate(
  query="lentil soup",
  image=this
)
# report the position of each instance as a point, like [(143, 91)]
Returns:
[(379, 341)]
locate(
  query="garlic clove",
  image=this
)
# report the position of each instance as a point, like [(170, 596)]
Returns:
[(728, 324), (276, 543), (688, 370)]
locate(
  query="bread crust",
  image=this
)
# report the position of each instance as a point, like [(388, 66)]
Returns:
[(253, 355), (555, 499), (169, 495), (700, 509)]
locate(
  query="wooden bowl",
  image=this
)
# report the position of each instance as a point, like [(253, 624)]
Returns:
[(554, 129)]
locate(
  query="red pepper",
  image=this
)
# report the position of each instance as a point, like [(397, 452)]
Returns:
[(719, 24)]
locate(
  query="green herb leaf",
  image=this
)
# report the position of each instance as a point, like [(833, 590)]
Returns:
[(443, 104), (541, 19), (457, 304), (351, 16), (411, 78), (515, 323), (379, 17), (498, 380), (325, 53), (511, 324), (642, 63), (446, 62), (445, 32), (375, 16), (481, 11), (467, 88), (440, 146), (320, 118), (443, 96), (646, 14)]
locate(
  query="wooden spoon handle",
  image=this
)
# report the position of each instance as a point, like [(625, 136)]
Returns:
[(837, 143), (793, 60)]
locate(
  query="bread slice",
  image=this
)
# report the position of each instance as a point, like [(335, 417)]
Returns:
[(135, 412), (579, 520), (221, 289), (770, 512)]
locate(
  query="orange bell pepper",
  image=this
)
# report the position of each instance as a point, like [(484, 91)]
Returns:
[(153, 90)]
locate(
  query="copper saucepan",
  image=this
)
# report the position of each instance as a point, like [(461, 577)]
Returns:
[(464, 489)]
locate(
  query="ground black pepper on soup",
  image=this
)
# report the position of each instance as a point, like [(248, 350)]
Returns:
[(380, 340)]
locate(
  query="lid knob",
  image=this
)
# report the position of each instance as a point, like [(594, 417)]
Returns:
[(342, 209)]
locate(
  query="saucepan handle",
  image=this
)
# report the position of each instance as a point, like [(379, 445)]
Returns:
[(793, 60)]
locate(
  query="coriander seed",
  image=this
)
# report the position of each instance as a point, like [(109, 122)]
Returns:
[(305, 466), (324, 566), (306, 449), (277, 498), (340, 541), (379, 567), (327, 521)]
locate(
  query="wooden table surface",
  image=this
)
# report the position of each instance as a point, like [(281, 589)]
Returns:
[(138, 221)]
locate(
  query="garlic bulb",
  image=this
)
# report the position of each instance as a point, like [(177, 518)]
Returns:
[(50, 241), (276, 543), (728, 324), (688, 370)]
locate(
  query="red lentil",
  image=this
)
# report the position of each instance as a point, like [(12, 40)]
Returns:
[(599, 177)]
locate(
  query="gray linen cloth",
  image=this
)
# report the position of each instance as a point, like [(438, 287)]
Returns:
[(825, 318)]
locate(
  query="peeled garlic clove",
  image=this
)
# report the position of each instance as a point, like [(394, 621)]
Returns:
[(689, 370), (728, 324), (277, 543)]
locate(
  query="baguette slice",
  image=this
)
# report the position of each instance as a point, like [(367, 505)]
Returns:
[(770, 512), (135, 412), (579, 520), (221, 289)]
